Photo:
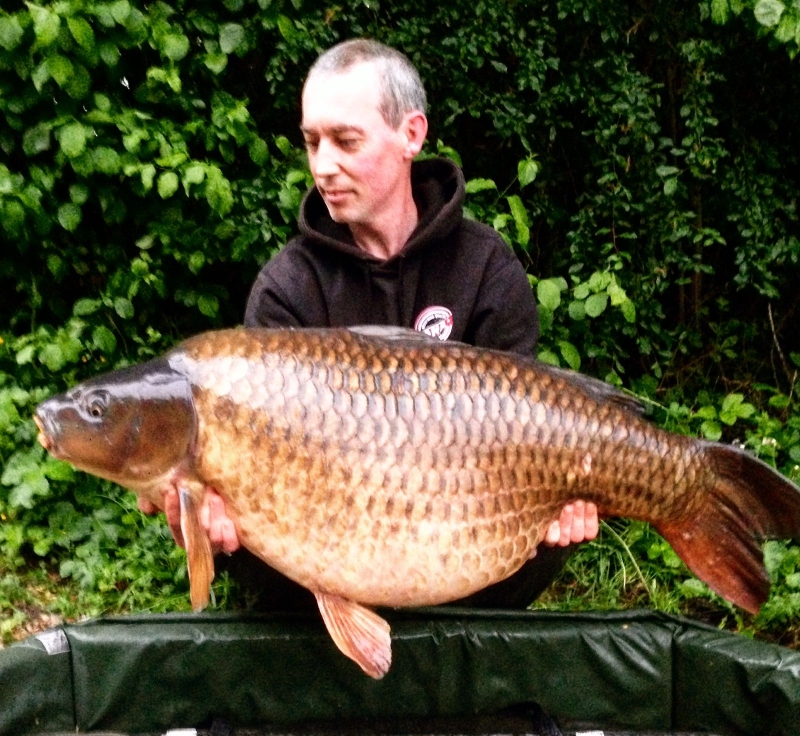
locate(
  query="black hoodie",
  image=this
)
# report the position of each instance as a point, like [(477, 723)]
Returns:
[(323, 279)]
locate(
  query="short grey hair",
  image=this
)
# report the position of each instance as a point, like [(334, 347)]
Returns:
[(401, 87)]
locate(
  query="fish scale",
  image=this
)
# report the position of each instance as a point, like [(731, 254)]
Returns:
[(377, 467)]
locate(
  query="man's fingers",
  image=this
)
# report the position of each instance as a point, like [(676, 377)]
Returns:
[(553, 534), (220, 528), (230, 539), (145, 506), (576, 530), (578, 522), (591, 522)]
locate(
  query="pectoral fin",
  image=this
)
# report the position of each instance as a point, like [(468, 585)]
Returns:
[(359, 633), (199, 558)]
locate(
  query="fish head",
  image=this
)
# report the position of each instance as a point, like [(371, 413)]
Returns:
[(133, 426)]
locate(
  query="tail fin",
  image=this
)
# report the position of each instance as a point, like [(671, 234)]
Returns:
[(749, 502)]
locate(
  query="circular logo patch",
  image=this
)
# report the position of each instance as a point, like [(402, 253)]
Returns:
[(435, 321)]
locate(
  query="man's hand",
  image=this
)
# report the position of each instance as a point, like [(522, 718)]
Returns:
[(221, 531), (578, 523)]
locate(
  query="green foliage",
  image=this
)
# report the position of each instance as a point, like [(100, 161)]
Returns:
[(640, 161), (772, 18)]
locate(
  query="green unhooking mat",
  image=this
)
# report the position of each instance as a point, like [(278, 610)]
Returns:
[(637, 671)]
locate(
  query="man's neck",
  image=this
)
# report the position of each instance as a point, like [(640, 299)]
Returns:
[(386, 238)]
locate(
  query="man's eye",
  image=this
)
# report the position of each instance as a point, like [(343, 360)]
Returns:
[(348, 144), (312, 145)]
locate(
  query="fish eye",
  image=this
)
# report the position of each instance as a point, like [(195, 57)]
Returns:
[(96, 404)]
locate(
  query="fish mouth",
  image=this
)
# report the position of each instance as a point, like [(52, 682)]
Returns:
[(43, 437)]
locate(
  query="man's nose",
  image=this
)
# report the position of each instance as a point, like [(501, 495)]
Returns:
[(326, 160)]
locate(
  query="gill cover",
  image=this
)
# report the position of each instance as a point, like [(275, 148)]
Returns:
[(130, 426)]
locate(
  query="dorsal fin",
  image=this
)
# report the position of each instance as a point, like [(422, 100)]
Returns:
[(599, 390), (392, 332)]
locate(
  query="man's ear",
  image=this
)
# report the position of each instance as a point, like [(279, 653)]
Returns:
[(414, 127)]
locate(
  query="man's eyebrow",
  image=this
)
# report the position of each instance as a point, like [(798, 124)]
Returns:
[(334, 130)]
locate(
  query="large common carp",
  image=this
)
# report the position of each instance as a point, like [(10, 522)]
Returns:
[(377, 467)]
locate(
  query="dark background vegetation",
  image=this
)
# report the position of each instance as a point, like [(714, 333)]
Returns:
[(641, 159)]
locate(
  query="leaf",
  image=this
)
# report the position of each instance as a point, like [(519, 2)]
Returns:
[(69, 216), (196, 261), (768, 12), (577, 310), (706, 412), (106, 160), (123, 307), (79, 193), (548, 294), (193, 174), (104, 339), (55, 265), (36, 139), (286, 28), (175, 46), (479, 185), (527, 171), (731, 402), (58, 470), (218, 192), (548, 356), (148, 174), (23, 495), (670, 187), (581, 291), (711, 430), (665, 171), (596, 304), (167, 184), (628, 311), (570, 354), (120, 11), (215, 62), (208, 305), (26, 355), (232, 35), (85, 307), (46, 24), (40, 75), (521, 219), (10, 32), (616, 293), (720, 11), (52, 356), (72, 139), (82, 32), (60, 68), (259, 152), (109, 53)]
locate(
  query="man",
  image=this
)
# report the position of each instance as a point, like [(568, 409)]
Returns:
[(383, 241)]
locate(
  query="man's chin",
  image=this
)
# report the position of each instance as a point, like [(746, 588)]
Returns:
[(342, 215)]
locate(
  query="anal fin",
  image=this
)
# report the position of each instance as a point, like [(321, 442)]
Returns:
[(199, 557), (361, 634)]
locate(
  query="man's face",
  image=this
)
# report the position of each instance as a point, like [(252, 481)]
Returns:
[(358, 162)]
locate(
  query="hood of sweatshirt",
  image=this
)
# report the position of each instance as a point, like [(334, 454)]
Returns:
[(438, 189)]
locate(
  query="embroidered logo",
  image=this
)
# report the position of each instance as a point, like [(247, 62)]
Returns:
[(435, 321)]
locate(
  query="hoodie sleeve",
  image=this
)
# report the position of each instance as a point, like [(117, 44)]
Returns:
[(286, 293), (268, 305), (505, 315)]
